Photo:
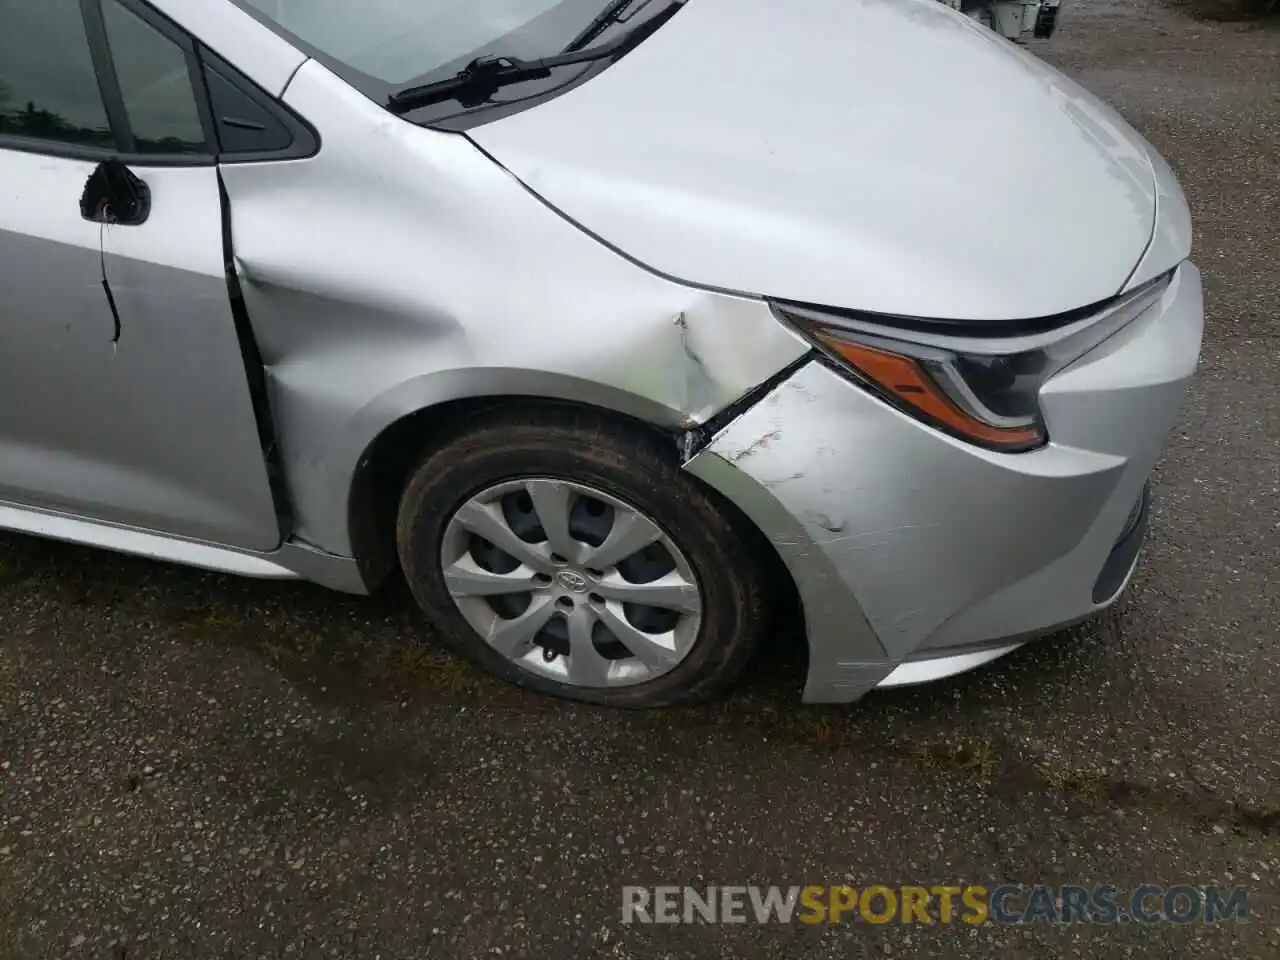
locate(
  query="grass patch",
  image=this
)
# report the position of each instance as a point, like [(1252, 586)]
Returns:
[(963, 754), (218, 620), (413, 666)]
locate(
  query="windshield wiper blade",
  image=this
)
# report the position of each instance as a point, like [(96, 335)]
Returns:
[(483, 77), (611, 14)]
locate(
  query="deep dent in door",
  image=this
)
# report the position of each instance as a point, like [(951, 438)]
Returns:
[(255, 373)]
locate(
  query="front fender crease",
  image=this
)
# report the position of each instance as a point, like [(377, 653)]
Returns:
[(433, 275)]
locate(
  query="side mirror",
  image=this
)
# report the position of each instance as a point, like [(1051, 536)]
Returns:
[(113, 194)]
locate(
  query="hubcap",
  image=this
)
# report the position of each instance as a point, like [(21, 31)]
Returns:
[(571, 583)]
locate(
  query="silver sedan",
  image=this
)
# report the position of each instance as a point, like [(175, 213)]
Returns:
[(610, 326)]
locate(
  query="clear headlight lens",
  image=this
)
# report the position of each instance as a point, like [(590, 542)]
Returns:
[(982, 390)]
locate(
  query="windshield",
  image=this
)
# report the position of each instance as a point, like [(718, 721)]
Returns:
[(396, 42)]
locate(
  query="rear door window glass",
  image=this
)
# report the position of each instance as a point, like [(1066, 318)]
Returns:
[(48, 88)]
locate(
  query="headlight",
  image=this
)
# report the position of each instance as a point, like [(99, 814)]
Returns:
[(983, 390)]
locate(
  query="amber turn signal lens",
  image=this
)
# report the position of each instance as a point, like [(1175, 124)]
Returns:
[(904, 379)]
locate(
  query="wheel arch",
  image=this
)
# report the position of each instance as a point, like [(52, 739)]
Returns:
[(431, 414), (392, 434), (386, 461)]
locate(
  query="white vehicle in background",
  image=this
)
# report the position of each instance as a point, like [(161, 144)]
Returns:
[(1017, 20)]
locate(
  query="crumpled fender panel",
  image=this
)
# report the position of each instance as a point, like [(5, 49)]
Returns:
[(429, 274)]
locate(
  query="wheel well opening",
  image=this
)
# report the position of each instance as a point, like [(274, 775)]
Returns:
[(388, 463)]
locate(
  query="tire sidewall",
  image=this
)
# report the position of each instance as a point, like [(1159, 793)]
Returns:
[(639, 477)]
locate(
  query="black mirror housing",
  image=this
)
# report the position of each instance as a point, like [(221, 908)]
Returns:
[(114, 194)]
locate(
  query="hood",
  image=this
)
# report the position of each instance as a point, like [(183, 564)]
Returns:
[(892, 156)]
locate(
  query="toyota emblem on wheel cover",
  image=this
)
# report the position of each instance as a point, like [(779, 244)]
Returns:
[(572, 580)]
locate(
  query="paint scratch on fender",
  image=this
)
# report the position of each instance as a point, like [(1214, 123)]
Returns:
[(756, 445)]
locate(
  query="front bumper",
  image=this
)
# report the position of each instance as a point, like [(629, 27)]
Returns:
[(916, 555)]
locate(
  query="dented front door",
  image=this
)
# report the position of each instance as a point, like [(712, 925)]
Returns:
[(123, 390)]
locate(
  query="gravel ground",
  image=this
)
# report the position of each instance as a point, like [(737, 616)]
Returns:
[(195, 766)]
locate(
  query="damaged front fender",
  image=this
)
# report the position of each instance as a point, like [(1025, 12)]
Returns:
[(432, 275)]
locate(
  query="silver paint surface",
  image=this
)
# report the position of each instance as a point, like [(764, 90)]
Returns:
[(428, 274), (894, 157), (1171, 238), (156, 430), (944, 545)]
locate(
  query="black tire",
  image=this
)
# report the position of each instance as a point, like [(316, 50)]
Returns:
[(624, 461)]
